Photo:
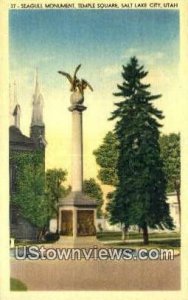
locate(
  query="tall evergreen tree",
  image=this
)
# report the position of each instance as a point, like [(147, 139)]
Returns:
[(140, 194)]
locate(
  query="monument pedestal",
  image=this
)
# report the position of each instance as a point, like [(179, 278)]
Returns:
[(77, 220)]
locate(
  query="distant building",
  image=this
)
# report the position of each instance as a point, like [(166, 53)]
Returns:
[(104, 224), (20, 228), (174, 209)]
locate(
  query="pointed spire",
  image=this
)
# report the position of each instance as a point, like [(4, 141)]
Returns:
[(37, 115), (10, 94), (11, 105), (15, 94), (10, 98), (37, 89), (16, 109)]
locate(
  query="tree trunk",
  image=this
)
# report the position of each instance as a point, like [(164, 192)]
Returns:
[(38, 234), (145, 234), (124, 233), (179, 205), (57, 230), (177, 188), (41, 233)]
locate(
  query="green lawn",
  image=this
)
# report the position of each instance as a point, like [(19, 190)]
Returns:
[(170, 240), (167, 244), (17, 285), (111, 236), (165, 239)]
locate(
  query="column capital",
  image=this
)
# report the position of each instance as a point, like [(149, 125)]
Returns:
[(77, 107)]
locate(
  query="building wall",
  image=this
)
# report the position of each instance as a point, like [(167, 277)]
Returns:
[(174, 212), (20, 227), (174, 209)]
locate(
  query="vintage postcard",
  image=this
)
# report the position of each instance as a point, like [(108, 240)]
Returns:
[(94, 149)]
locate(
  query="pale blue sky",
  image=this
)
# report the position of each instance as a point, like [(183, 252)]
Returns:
[(57, 39)]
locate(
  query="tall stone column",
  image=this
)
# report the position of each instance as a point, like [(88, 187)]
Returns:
[(77, 147)]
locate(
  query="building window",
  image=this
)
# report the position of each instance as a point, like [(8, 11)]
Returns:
[(13, 186), (14, 217)]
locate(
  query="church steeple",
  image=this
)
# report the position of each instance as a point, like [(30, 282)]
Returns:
[(17, 110), (37, 129), (38, 103)]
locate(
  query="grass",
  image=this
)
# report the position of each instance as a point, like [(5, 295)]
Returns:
[(111, 236), (30, 242), (165, 240), (167, 244), (17, 285)]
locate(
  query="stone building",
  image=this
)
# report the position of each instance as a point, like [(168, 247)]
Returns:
[(20, 227), (174, 209)]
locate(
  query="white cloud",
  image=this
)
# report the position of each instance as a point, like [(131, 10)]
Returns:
[(111, 70), (148, 58)]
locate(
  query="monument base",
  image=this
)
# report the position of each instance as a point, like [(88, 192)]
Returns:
[(77, 221), (78, 242)]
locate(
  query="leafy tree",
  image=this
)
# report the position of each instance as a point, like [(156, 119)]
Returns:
[(170, 153), (140, 193), (55, 189), (30, 187), (106, 157), (93, 189)]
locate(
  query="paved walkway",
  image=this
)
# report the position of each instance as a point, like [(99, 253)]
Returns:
[(98, 275)]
